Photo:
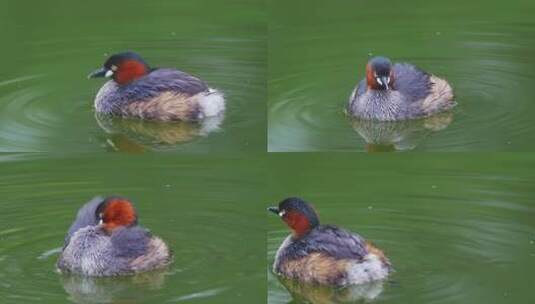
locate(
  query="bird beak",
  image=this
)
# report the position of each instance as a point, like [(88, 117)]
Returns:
[(385, 80), (274, 210), (102, 72)]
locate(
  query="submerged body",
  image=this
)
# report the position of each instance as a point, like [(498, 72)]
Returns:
[(154, 94), (325, 254), (105, 240), (399, 92)]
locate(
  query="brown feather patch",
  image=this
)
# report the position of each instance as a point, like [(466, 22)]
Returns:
[(376, 251), (157, 256), (317, 268), (167, 106), (440, 98)]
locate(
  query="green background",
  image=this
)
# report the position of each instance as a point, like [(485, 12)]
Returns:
[(209, 211), (49, 48), (318, 51), (458, 228)]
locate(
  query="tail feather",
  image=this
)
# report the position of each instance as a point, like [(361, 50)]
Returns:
[(212, 103), (440, 97), (157, 256)]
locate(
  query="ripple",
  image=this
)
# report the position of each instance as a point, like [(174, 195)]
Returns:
[(199, 295), (442, 242), (190, 208), (52, 112), (491, 81)]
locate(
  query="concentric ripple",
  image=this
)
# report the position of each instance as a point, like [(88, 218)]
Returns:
[(46, 100), (316, 66)]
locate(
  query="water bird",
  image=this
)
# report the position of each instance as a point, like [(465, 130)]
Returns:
[(401, 91), (324, 254), (163, 94), (106, 240)]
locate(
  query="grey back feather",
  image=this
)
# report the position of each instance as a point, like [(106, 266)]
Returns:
[(149, 86), (130, 242), (330, 240), (411, 81)]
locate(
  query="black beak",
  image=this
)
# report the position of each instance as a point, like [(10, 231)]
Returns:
[(274, 210), (98, 73), (385, 80)]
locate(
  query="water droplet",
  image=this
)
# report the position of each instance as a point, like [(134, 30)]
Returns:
[(433, 186), (370, 207)]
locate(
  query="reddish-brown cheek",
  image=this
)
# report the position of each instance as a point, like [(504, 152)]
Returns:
[(297, 222), (372, 83), (118, 213), (128, 71)]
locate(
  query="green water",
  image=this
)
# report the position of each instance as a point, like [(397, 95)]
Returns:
[(318, 51), (458, 228), (49, 48), (193, 204), (55, 154)]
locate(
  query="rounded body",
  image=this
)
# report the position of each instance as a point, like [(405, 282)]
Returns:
[(163, 95), (414, 94), (92, 249), (328, 255), (92, 252)]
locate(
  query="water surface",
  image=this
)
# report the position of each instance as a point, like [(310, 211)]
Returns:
[(194, 204), (318, 51), (46, 100), (457, 228)]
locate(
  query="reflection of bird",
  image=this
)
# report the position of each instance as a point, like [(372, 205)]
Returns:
[(398, 92), (383, 136), (312, 293), (136, 90), (105, 240), (133, 135), (83, 289), (324, 254)]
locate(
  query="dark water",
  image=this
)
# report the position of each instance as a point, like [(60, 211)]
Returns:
[(457, 228), (49, 48), (318, 51), (193, 204)]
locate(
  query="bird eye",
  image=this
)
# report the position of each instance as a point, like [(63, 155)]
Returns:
[(114, 68), (282, 213)]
